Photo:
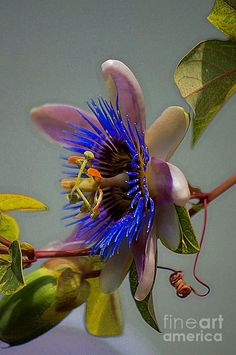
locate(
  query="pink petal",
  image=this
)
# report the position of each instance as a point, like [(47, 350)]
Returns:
[(166, 132), (167, 226), (138, 248), (180, 189), (167, 184), (160, 183), (115, 270), (121, 82), (54, 119), (149, 272)]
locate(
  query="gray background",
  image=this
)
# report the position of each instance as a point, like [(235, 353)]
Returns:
[(51, 51)]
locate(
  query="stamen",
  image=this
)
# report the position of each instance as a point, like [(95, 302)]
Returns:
[(91, 184)]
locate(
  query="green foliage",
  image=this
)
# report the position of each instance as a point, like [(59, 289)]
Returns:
[(223, 17), (9, 228), (9, 202), (206, 78), (11, 276), (188, 241), (145, 307)]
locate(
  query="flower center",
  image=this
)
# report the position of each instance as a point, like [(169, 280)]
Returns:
[(88, 184), (108, 190)]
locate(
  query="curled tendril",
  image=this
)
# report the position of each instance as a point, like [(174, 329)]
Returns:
[(182, 289), (176, 278)]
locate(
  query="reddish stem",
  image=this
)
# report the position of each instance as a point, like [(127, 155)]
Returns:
[(197, 256), (4, 241), (3, 250), (212, 195), (41, 254)]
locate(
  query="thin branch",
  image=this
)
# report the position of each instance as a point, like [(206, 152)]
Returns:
[(4, 241), (41, 254), (4, 250), (212, 195)]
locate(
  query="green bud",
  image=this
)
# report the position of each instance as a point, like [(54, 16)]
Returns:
[(48, 297)]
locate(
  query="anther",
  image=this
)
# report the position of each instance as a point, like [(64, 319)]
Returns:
[(67, 184), (94, 173), (74, 159)]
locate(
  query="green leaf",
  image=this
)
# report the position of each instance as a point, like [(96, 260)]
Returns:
[(9, 228), (206, 78), (197, 206), (231, 3), (11, 275), (10, 202), (103, 316), (145, 307), (223, 17), (188, 241)]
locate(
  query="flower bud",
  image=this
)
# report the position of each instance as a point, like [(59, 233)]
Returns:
[(48, 297)]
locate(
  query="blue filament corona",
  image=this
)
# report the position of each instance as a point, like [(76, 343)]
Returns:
[(118, 146)]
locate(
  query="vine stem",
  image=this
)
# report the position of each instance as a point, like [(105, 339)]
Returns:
[(197, 256), (33, 255), (4, 241), (41, 254), (4, 250), (212, 195)]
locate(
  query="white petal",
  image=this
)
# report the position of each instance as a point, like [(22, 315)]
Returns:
[(121, 82), (180, 190), (166, 132), (148, 277), (115, 270), (168, 227)]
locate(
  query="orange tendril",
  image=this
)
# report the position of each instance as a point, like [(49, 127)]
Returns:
[(182, 289)]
